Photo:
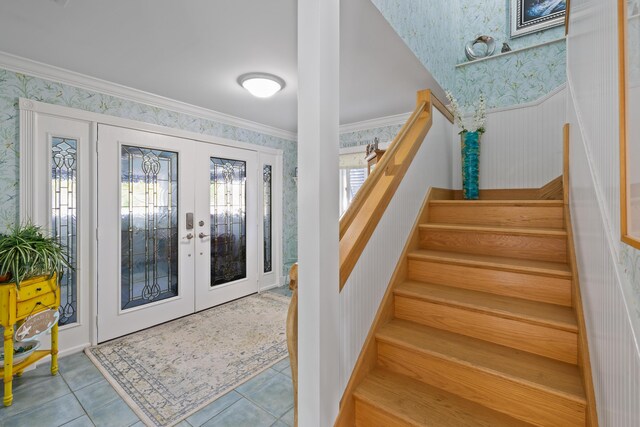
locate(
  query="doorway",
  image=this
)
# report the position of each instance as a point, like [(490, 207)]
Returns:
[(179, 223)]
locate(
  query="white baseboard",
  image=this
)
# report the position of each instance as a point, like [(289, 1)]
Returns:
[(275, 285), (62, 353)]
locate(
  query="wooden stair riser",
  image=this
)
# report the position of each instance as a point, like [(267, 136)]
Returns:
[(552, 290), (536, 247), (498, 215), (520, 334), (369, 415), (506, 395)]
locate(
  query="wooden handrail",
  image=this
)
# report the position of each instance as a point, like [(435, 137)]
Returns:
[(439, 105), (292, 336), (365, 190), (361, 218)]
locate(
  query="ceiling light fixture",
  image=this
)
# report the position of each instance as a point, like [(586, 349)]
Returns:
[(261, 85)]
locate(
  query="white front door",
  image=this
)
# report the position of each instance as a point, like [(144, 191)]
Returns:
[(226, 224), (177, 228), (145, 246)]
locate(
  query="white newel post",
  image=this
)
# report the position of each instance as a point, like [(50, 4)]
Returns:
[(318, 292)]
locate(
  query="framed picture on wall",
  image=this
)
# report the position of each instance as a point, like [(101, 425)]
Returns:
[(528, 16)]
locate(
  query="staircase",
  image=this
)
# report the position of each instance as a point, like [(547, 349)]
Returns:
[(479, 327)]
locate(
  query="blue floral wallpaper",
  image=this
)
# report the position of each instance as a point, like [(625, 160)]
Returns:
[(630, 263), (14, 86), (491, 18), (427, 27), (437, 31), (512, 79), (367, 136)]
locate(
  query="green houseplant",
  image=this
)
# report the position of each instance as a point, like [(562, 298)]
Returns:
[(27, 252)]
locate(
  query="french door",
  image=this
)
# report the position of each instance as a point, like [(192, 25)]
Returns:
[(226, 230), (177, 227)]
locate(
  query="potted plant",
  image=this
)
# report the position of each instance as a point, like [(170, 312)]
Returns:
[(26, 252), (470, 144)]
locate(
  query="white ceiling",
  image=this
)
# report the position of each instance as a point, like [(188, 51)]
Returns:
[(193, 51)]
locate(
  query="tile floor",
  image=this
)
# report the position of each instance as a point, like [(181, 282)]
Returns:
[(80, 396)]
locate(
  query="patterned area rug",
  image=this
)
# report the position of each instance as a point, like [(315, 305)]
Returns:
[(168, 372)]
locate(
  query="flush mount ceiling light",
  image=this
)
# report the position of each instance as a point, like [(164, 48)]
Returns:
[(261, 85)]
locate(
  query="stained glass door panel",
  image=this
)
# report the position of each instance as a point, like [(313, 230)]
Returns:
[(145, 251), (64, 202), (149, 227), (228, 220), (270, 212), (226, 224), (267, 221)]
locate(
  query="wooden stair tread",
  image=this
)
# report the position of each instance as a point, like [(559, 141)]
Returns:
[(517, 231), (419, 404), (535, 203), (557, 316), (550, 375), (494, 262)]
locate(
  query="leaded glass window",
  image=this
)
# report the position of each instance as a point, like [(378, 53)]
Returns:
[(228, 220), (64, 173), (266, 217), (149, 225)]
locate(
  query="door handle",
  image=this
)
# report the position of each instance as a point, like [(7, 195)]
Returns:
[(189, 236), (202, 235)]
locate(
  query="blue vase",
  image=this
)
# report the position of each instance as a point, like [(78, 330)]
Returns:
[(470, 165)]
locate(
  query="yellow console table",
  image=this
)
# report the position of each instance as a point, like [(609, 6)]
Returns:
[(35, 295)]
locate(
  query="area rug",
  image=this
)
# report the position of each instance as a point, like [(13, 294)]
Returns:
[(170, 371)]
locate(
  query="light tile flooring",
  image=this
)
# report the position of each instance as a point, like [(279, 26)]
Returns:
[(80, 396)]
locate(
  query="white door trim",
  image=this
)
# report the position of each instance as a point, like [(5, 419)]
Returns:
[(30, 188), (37, 208)]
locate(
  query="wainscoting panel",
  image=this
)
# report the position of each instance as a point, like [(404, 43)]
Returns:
[(363, 292), (614, 353), (608, 273), (522, 147)]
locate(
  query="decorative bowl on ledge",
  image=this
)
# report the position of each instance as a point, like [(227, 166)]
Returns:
[(21, 350)]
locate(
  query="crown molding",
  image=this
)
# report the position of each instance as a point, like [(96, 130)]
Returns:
[(397, 119), (49, 72)]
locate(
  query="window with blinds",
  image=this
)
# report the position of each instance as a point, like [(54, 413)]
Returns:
[(353, 172)]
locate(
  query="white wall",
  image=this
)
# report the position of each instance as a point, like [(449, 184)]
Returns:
[(363, 292), (522, 147), (608, 297)]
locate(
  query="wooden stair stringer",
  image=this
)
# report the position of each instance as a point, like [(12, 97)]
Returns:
[(584, 361)]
